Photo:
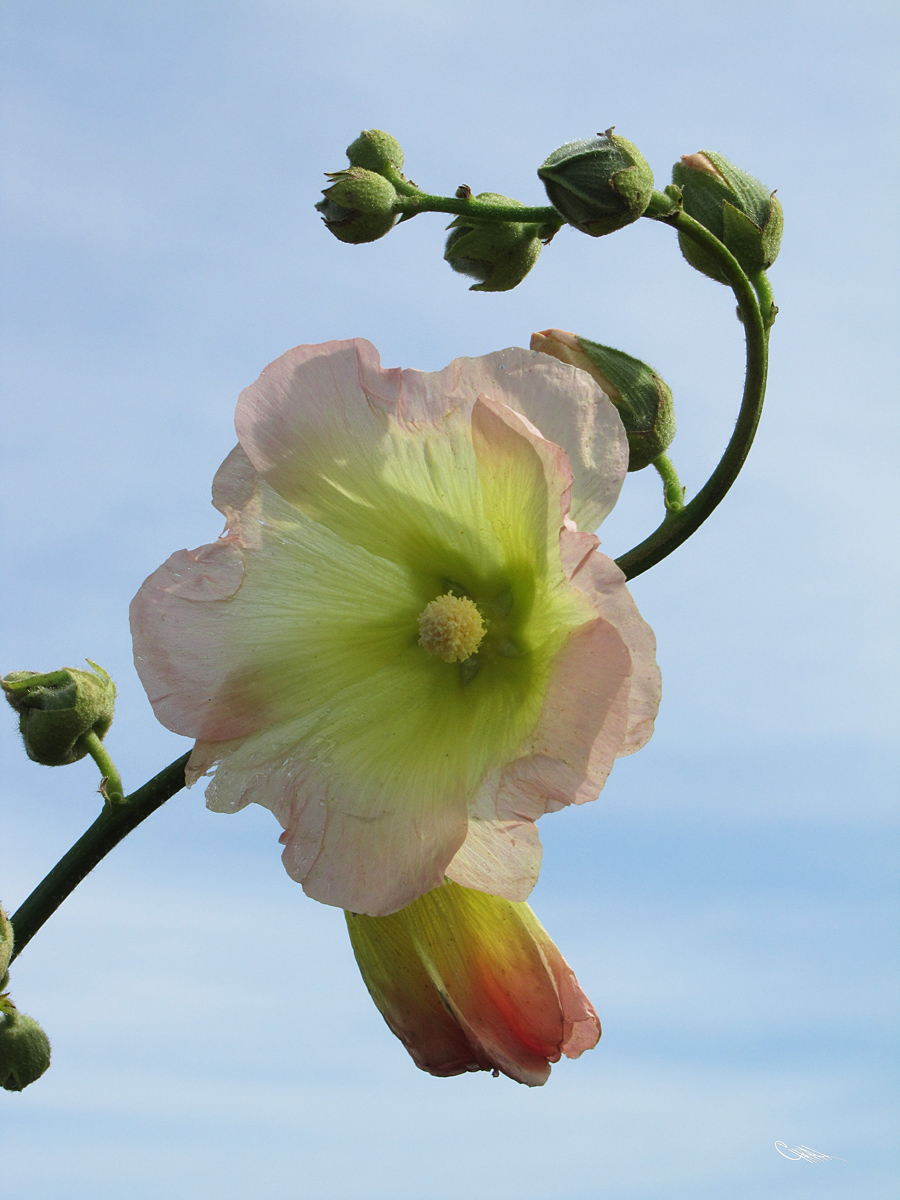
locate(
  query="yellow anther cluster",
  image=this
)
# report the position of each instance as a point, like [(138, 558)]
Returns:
[(451, 627)]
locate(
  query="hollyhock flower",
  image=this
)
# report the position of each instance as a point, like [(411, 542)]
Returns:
[(402, 644), (471, 982)]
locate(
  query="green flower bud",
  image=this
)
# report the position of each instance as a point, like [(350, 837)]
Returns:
[(58, 709), (643, 399), (24, 1049), (359, 206), (599, 184), (376, 151), (743, 214), (499, 254), (6, 946)]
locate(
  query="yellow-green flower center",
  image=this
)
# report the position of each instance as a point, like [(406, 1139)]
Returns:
[(451, 627)]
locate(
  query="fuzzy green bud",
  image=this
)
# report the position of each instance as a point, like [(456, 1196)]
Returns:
[(498, 254), (359, 205), (599, 184), (57, 710), (375, 150), (743, 214), (6, 946), (643, 399), (24, 1049)]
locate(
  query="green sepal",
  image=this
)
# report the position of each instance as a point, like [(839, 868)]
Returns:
[(642, 397), (755, 249), (498, 254), (24, 1049), (360, 205), (741, 212), (58, 709), (598, 184)]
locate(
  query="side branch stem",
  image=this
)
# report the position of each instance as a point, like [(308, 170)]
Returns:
[(679, 525), (673, 492), (114, 823), (488, 210), (111, 787)]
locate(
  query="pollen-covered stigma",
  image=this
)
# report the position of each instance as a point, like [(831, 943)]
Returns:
[(451, 627)]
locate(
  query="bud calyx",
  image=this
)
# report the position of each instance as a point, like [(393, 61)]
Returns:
[(57, 710), (599, 184), (360, 205), (498, 254), (642, 397), (24, 1048), (743, 213)]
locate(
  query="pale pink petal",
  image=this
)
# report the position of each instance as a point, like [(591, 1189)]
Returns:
[(339, 833), (205, 757), (574, 547), (602, 581), (570, 753), (565, 404), (326, 428), (294, 422), (496, 1044), (340, 852), (235, 493), (566, 760), (499, 856), (183, 673), (581, 1025), (519, 469), (226, 641)]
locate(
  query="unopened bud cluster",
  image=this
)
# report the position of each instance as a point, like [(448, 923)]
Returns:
[(597, 185), (361, 203)]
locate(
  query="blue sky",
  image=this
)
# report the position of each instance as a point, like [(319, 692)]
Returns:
[(727, 903)]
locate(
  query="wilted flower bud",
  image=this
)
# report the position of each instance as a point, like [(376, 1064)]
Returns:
[(643, 399), (376, 151), (472, 982), (24, 1049), (499, 254), (599, 184), (57, 710), (359, 206), (743, 214)]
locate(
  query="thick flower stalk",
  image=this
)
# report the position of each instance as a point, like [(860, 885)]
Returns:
[(471, 982), (405, 643)]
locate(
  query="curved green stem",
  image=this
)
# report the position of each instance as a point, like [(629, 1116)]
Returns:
[(111, 784), (113, 824), (678, 526), (488, 210)]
